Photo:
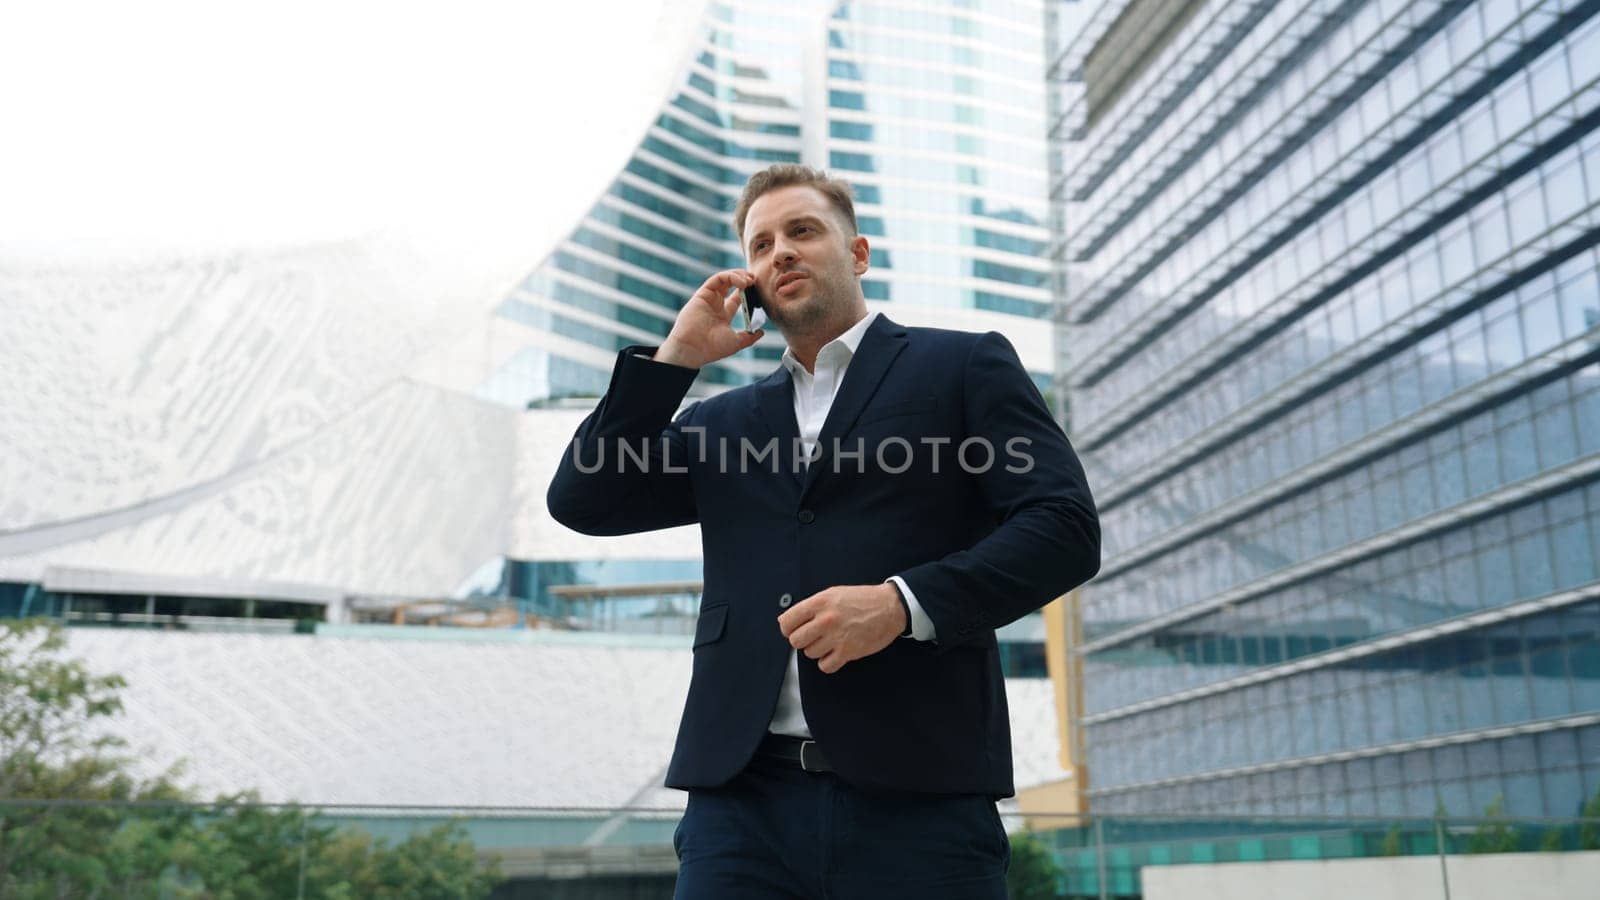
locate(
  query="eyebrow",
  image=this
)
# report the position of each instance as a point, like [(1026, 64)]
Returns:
[(794, 221)]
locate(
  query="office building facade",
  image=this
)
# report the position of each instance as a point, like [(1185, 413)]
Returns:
[(933, 112), (335, 428), (1329, 338)]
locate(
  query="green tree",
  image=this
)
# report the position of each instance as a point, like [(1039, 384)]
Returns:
[(51, 750), (1589, 832), (438, 864), (1393, 842), (74, 821), (1495, 835), (1034, 872)]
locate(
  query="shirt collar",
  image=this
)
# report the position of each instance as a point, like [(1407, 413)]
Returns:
[(847, 342)]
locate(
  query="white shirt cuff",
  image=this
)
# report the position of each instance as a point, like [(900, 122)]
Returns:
[(921, 625)]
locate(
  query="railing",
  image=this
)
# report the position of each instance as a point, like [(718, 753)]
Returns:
[(134, 848), (1107, 856)]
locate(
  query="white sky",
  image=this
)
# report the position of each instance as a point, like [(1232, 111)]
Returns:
[(163, 124)]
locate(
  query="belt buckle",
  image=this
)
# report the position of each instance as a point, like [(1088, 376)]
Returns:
[(804, 764)]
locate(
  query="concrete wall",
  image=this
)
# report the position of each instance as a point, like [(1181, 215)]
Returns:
[(1503, 876)]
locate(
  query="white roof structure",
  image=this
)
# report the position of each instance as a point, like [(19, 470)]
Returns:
[(246, 417), (469, 722), (543, 436), (254, 418)]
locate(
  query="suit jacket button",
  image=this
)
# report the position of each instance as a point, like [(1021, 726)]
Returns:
[(785, 600), (807, 517)]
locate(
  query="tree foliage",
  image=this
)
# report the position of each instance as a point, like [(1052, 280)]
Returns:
[(1495, 835), (75, 821), (1589, 832), (1034, 873), (1394, 842)]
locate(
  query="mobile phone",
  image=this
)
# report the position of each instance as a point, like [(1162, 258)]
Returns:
[(750, 304)]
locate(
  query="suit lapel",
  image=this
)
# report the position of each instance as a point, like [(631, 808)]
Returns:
[(774, 402), (879, 346)]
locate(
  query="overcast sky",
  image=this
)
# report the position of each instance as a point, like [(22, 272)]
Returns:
[(166, 124)]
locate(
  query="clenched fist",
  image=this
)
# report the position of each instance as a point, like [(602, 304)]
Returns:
[(840, 624)]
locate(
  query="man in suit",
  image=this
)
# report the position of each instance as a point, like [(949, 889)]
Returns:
[(870, 513)]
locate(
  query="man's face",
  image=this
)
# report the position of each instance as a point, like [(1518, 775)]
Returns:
[(804, 257)]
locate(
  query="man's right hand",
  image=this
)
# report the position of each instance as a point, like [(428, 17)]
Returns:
[(704, 331)]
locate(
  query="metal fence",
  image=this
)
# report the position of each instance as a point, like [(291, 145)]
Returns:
[(1083, 856)]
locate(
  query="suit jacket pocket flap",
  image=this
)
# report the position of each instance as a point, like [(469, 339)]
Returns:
[(710, 625)]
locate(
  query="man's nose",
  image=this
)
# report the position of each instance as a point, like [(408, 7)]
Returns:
[(784, 255)]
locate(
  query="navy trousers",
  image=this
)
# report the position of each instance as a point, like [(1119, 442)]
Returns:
[(778, 832)]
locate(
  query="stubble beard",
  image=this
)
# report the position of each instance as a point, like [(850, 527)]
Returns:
[(829, 298)]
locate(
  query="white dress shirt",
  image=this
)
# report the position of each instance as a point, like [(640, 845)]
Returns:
[(813, 397)]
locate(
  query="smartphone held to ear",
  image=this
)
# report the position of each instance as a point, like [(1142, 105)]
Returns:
[(750, 304)]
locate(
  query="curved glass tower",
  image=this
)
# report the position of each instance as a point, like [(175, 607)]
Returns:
[(935, 113)]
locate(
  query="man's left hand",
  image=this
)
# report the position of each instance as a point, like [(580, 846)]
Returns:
[(844, 623)]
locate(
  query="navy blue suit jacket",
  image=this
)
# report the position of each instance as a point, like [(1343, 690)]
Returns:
[(980, 546)]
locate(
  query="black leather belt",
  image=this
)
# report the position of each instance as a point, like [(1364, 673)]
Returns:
[(795, 751)]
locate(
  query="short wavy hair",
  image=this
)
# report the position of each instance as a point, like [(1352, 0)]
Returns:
[(782, 175)]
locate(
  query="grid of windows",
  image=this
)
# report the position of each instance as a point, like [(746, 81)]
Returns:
[(1521, 438), (1331, 343), (952, 53), (1550, 773), (1484, 146), (1427, 366), (994, 118), (1377, 235), (1531, 552), (1542, 667), (936, 116), (1283, 459), (905, 88), (663, 226), (1263, 60), (938, 110), (1010, 26)]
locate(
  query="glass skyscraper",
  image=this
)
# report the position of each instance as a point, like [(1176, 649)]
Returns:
[(1329, 339), (935, 114)]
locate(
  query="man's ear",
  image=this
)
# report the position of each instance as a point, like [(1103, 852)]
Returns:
[(862, 253)]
